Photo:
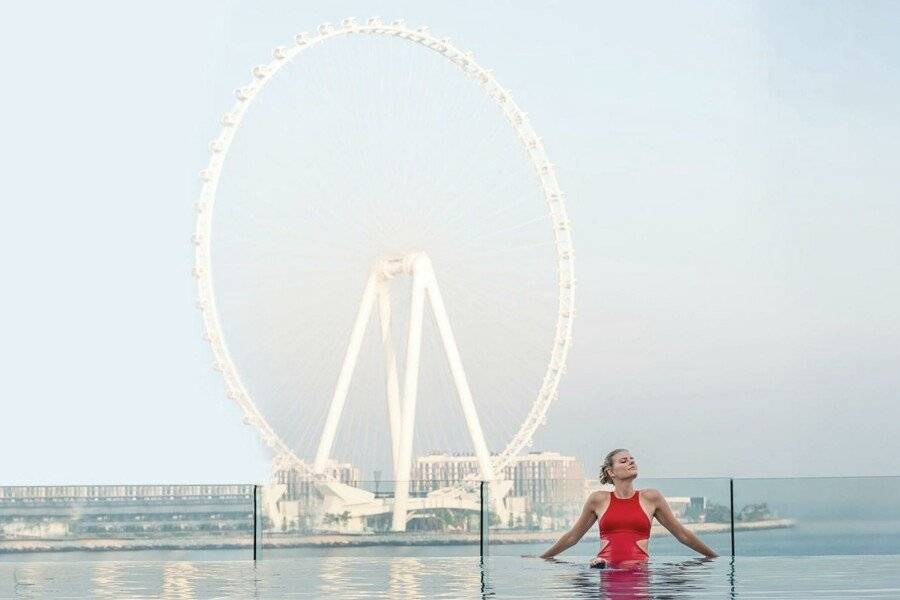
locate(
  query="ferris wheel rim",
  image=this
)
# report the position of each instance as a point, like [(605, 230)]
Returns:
[(540, 163)]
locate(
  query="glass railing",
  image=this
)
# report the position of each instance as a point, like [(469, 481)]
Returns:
[(817, 516), (771, 517), (702, 504), (538, 512), (315, 517)]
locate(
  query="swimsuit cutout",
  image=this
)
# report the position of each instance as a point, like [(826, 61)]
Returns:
[(622, 526)]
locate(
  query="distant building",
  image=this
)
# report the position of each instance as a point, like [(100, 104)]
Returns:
[(542, 477), (300, 484), (120, 493), (124, 510), (438, 470), (546, 478)]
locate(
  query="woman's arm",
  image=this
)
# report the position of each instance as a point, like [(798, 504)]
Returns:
[(571, 537), (664, 515)]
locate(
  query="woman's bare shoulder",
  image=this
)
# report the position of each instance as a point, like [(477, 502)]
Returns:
[(598, 498), (651, 494)]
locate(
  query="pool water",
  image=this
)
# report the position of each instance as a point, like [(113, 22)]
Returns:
[(454, 577)]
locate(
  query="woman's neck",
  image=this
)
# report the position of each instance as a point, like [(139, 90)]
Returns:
[(624, 489)]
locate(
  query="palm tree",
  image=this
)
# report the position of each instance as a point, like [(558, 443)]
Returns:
[(344, 518), (331, 519)]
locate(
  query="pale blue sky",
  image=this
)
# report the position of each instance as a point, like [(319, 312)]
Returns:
[(731, 169)]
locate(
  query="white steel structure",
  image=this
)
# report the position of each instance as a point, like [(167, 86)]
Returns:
[(402, 416), (414, 262)]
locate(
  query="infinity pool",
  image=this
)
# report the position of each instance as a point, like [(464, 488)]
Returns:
[(454, 577)]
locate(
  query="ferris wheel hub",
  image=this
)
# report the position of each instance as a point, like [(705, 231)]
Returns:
[(389, 267)]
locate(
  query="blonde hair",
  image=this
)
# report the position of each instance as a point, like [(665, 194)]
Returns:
[(605, 477)]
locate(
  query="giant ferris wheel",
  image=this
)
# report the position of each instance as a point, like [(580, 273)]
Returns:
[(383, 255)]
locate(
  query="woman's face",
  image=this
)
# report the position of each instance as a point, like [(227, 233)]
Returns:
[(624, 466)]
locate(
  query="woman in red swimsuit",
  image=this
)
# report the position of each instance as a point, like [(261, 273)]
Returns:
[(624, 517)]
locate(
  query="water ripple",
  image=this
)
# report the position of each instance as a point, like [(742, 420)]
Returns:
[(418, 578)]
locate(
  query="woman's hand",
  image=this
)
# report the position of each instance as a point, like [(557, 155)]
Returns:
[(597, 563)]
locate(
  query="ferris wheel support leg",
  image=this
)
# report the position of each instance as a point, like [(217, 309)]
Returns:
[(392, 381), (459, 375), (410, 389), (343, 383)]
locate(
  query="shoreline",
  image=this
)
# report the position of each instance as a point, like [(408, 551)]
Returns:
[(336, 540)]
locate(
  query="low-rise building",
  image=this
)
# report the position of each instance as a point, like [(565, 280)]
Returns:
[(300, 483), (547, 487), (124, 510)]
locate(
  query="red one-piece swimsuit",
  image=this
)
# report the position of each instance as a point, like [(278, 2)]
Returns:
[(622, 526)]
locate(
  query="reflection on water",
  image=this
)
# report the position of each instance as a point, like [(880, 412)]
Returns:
[(23, 581), (107, 578), (405, 574), (672, 579), (334, 575), (177, 578), (690, 578), (416, 578), (630, 582)]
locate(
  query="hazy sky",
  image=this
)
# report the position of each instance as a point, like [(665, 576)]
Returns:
[(731, 170)]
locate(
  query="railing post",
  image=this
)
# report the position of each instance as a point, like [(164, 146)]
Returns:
[(255, 521), (731, 502), (481, 524)]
